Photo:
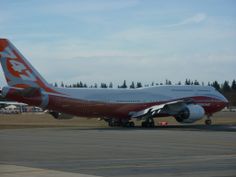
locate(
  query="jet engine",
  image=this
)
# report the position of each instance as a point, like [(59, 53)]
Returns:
[(191, 113)]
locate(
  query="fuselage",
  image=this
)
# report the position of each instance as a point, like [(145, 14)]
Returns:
[(119, 103)]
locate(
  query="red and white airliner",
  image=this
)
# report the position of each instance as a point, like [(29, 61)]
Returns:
[(118, 107)]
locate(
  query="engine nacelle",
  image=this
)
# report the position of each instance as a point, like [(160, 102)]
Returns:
[(191, 113)]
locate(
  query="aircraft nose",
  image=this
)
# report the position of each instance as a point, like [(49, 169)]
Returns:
[(225, 102), (222, 100)]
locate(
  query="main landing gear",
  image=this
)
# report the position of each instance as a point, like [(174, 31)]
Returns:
[(120, 123), (208, 120), (149, 122)]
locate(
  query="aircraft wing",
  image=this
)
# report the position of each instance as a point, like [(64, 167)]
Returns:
[(170, 108)]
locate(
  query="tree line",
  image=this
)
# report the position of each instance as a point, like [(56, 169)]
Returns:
[(226, 86)]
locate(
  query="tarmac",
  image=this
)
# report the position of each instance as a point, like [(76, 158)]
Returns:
[(186, 151)]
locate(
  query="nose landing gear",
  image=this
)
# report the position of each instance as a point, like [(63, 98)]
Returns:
[(208, 120)]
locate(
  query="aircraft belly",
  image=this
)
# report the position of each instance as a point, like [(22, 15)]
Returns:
[(83, 108)]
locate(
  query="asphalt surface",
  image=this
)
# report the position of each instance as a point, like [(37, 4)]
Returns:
[(167, 151)]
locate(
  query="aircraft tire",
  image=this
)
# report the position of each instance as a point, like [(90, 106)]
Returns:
[(110, 124), (131, 124), (151, 124), (208, 122), (144, 124)]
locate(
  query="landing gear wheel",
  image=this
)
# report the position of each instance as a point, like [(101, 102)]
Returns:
[(151, 124), (144, 124), (208, 122), (111, 124), (148, 124), (131, 124)]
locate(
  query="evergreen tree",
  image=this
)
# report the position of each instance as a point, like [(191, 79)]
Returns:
[(196, 82), (233, 85), (103, 85), (226, 87), (81, 84), (139, 85), (62, 84), (187, 82), (168, 82), (124, 84), (110, 85), (216, 85), (55, 84), (132, 86)]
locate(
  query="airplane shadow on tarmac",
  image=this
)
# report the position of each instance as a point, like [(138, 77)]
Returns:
[(225, 128)]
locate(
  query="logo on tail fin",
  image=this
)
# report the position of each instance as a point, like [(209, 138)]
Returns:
[(18, 71), (16, 66)]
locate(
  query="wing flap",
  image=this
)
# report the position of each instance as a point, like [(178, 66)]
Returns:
[(170, 108)]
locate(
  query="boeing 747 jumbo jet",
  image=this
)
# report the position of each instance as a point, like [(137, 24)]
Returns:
[(118, 107)]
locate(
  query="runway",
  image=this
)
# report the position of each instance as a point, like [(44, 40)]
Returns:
[(168, 151)]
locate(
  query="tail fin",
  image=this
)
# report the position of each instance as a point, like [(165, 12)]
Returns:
[(18, 71)]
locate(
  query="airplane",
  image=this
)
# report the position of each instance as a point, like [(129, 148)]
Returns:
[(118, 107), (10, 107), (4, 104)]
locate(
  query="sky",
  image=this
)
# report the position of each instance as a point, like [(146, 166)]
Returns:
[(115, 40)]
